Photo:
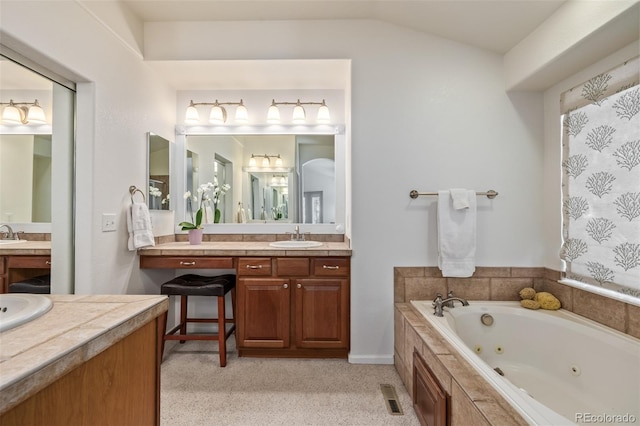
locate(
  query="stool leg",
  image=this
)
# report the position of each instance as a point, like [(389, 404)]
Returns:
[(222, 333), (183, 316)]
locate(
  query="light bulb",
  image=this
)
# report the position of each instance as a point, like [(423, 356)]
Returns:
[(36, 114), (242, 116), (11, 114), (299, 116), (192, 116), (252, 161), (273, 115), (265, 161), (323, 114), (218, 115), (278, 162)]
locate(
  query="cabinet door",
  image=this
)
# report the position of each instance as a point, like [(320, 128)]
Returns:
[(263, 312), (429, 399), (322, 313)]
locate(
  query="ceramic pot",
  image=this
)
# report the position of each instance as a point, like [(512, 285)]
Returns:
[(195, 236)]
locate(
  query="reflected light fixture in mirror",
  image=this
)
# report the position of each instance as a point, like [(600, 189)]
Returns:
[(299, 115), (266, 162), (218, 114), (23, 113)]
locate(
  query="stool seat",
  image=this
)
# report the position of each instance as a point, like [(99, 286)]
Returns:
[(39, 285), (198, 285)]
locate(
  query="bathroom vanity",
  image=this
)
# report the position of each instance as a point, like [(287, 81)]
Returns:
[(89, 360), (290, 302), (19, 261)]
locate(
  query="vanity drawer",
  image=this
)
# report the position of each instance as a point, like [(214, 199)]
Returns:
[(297, 266), (331, 266), (254, 266), (187, 262), (29, 262)]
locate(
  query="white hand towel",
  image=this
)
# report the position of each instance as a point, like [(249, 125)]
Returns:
[(456, 236), (460, 198), (208, 216), (243, 216), (139, 227)]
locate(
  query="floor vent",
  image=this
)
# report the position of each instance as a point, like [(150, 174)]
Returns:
[(391, 399)]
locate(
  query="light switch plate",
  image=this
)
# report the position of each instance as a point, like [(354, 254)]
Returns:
[(108, 222)]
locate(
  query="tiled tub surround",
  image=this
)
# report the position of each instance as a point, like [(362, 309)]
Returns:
[(473, 400), (75, 330)]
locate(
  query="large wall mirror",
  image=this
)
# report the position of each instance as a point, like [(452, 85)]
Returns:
[(25, 146), (159, 166), (273, 178)]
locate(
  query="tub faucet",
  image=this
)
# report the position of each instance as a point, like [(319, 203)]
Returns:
[(439, 303), (9, 235)]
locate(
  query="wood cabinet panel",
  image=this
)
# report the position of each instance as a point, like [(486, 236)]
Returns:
[(292, 266), (254, 266), (186, 262), (30, 262), (322, 313), (263, 309), (429, 399), (119, 386)]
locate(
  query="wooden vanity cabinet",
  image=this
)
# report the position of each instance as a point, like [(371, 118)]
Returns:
[(16, 268), (293, 306), (3, 276)]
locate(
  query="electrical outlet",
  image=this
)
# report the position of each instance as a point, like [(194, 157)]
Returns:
[(108, 222)]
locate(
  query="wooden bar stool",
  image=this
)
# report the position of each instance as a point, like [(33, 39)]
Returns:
[(198, 285)]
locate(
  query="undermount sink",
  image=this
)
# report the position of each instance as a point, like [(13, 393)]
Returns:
[(3, 242), (19, 308), (295, 244)]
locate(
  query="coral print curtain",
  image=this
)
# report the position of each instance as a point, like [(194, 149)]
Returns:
[(601, 180)]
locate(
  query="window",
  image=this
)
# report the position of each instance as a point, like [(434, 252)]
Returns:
[(601, 180)]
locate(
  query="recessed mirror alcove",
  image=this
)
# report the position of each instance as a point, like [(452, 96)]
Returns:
[(276, 180)]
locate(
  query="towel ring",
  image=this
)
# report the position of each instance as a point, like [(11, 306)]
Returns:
[(133, 190)]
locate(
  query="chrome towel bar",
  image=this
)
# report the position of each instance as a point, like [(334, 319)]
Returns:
[(491, 194)]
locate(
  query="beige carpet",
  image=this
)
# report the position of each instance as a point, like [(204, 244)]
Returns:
[(269, 391)]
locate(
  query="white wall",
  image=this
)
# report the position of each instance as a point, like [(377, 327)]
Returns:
[(426, 113), (119, 100)]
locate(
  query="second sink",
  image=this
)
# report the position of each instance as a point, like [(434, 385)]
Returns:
[(295, 244)]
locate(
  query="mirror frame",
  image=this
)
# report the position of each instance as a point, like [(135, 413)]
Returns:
[(180, 164)]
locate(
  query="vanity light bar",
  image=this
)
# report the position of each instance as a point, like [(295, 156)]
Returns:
[(23, 113), (218, 113), (299, 115)]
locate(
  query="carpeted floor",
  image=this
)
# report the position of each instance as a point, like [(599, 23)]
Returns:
[(269, 391)]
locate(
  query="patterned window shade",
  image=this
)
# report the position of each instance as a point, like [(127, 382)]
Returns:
[(601, 180)]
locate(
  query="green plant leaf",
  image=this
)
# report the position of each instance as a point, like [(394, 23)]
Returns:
[(198, 218)]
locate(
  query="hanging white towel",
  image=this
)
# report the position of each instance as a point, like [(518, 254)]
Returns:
[(460, 198), (456, 235), (139, 227), (243, 216)]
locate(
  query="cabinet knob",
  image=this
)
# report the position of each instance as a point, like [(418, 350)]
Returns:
[(285, 285), (299, 285), (187, 263), (47, 262)]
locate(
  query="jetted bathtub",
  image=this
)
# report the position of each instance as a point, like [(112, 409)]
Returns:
[(553, 367)]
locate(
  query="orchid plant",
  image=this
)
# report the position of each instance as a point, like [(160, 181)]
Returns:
[(207, 194)]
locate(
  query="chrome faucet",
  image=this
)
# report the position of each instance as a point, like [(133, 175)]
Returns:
[(9, 235), (296, 235), (439, 303)]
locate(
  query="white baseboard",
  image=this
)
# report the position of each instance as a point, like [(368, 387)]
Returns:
[(370, 359)]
